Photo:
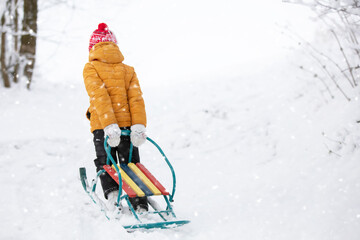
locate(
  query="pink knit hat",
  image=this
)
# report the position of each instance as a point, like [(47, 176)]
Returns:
[(102, 34)]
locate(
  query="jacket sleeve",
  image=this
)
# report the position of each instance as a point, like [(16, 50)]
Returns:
[(99, 96), (136, 102)]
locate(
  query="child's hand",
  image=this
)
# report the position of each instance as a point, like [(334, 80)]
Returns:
[(138, 135), (114, 133)]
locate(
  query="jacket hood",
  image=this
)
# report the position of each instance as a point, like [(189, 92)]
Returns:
[(107, 52)]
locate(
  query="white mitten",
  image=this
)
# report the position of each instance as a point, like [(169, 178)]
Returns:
[(114, 133), (138, 135)]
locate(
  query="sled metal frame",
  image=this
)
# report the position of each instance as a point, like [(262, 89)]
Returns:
[(90, 190)]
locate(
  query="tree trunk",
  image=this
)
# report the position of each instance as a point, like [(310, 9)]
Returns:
[(28, 39), (16, 42), (4, 73)]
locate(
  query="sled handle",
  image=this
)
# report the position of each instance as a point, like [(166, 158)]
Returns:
[(109, 157), (171, 198)]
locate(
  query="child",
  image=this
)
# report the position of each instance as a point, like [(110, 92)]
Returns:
[(116, 104)]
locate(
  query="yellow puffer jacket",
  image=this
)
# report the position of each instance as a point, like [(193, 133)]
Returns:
[(113, 88)]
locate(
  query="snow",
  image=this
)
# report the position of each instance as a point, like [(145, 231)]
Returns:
[(259, 152)]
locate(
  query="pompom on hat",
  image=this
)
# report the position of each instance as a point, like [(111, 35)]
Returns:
[(102, 34)]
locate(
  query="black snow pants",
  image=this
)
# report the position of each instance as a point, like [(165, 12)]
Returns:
[(119, 153)]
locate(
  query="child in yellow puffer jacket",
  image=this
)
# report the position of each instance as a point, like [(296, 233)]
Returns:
[(116, 104)]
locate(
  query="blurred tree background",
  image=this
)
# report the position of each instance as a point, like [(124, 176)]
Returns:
[(18, 41)]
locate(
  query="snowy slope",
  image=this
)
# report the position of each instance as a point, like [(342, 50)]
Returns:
[(248, 135)]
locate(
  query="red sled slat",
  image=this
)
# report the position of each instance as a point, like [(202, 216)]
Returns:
[(152, 179), (114, 176)]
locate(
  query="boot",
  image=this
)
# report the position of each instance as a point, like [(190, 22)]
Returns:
[(140, 204), (112, 201)]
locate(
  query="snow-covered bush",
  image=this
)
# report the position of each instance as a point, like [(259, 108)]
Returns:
[(335, 53)]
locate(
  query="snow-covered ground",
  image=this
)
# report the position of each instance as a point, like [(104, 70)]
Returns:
[(258, 151)]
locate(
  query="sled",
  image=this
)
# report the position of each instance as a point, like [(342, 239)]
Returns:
[(135, 180)]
